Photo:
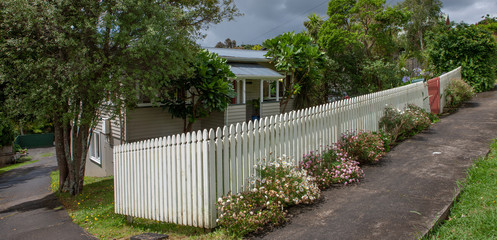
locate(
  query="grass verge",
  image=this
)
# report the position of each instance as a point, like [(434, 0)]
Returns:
[(474, 214), (49, 154), (93, 210), (21, 162)]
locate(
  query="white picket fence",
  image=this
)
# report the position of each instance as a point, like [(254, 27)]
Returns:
[(178, 178), (444, 83)]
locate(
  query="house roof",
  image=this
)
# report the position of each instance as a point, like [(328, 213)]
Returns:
[(240, 55), (254, 71)]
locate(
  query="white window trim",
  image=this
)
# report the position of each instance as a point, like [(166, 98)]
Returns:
[(95, 146)]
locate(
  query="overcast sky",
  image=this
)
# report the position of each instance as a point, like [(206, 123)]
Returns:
[(265, 19)]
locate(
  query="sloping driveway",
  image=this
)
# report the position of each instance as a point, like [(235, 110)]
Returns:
[(28, 209)]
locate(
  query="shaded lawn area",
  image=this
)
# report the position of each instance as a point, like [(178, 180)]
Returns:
[(474, 214), (93, 210)]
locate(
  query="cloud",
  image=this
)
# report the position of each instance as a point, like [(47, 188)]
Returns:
[(265, 19), (469, 11)]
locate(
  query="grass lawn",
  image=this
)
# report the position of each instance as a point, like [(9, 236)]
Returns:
[(21, 162), (94, 211), (474, 214)]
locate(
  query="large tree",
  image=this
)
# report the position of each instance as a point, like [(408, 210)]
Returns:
[(63, 59), (426, 14), (360, 35)]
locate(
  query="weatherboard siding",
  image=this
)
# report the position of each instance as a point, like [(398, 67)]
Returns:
[(215, 120), (236, 114), (115, 128), (270, 109), (151, 122)]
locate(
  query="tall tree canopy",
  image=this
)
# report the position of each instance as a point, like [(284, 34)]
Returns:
[(63, 59), (359, 35), (425, 15)]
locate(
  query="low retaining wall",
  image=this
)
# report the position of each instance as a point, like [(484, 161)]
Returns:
[(6, 155)]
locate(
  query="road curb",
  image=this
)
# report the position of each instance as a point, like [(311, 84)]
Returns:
[(444, 214)]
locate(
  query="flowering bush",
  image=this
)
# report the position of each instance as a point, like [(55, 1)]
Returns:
[(419, 117), (331, 168), (278, 184), (458, 92), (364, 147), (403, 124), (247, 212), (287, 183)]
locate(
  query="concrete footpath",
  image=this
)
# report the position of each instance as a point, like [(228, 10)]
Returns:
[(28, 208), (412, 187)]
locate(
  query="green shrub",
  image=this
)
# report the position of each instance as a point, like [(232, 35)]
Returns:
[(332, 167), (364, 147), (278, 185), (7, 133), (458, 92), (387, 140), (471, 47), (400, 125)]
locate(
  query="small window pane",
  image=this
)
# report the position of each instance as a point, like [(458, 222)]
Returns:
[(95, 147)]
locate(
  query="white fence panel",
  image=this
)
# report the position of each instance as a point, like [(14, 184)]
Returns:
[(178, 178), (444, 83)]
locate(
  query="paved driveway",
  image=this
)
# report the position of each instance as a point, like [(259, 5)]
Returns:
[(411, 187), (28, 209)]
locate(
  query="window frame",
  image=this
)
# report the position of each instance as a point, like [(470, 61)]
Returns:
[(94, 150)]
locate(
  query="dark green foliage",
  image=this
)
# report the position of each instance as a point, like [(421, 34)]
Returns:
[(299, 57), (471, 47), (207, 90), (359, 39), (378, 75), (425, 17), (62, 60), (490, 23), (7, 133)]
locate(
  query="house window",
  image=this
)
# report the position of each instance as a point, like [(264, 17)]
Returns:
[(95, 147)]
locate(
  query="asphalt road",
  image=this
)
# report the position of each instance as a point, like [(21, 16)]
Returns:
[(28, 208)]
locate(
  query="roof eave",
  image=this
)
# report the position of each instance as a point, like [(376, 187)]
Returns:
[(246, 60), (256, 77)]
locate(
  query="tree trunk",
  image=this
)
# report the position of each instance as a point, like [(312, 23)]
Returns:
[(421, 40), (61, 154), (71, 147), (189, 127), (285, 103)]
